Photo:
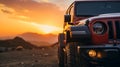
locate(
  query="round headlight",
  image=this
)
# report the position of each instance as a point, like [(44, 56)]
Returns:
[(99, 28), (92, 53)]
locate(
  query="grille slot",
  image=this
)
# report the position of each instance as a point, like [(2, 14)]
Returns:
[(111, 31), (117, 25)]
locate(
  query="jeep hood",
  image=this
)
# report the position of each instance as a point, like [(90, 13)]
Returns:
[(109, 15)]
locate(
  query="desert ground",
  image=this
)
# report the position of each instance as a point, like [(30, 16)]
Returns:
[(44, 57)]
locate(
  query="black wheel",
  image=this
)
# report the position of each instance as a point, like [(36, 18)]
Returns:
[(74, 56), (61, 57), (71, 57), (61, 52)]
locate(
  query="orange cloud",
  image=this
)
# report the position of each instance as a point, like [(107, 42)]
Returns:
[(42, 12), (6, 9)]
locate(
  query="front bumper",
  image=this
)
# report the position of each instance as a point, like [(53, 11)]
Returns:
[(110, 55)]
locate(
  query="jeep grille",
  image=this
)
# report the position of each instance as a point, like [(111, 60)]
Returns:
[(117, 25), (111, 29)]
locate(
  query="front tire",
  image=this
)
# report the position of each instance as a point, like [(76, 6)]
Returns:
[(61, 57), (61, 52), (74, 56), (71, 57)]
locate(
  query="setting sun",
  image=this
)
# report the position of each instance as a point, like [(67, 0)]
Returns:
[(46, 29), (49, 29)]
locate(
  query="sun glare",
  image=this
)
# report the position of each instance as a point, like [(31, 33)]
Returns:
[(46, 29)]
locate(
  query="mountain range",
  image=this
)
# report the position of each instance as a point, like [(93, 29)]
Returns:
[(36, 39)]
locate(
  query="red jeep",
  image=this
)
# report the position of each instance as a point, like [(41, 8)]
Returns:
[(91, 35)]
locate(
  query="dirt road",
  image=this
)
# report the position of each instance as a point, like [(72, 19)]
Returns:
[(45, 57)]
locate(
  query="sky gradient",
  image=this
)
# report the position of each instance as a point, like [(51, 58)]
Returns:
[(39, 16)]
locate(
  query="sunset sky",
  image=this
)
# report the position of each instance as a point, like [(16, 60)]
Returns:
[(39, 16)]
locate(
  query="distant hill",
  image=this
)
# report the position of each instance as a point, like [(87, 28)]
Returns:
[(17, 41), (39, 39)]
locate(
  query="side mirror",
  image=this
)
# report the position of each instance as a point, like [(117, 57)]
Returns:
[(67, 18)]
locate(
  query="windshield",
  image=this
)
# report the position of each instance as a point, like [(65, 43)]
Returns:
[(93, 8)]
